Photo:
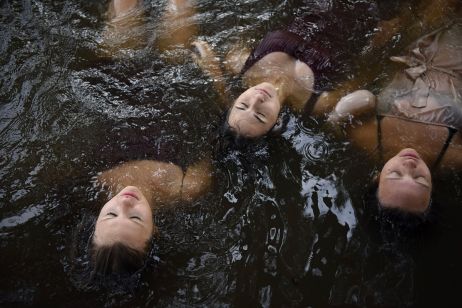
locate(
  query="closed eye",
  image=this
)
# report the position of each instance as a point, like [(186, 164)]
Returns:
[(136, 218), (260, 118), (111, 214), (242, 106), (395, 174), (261, 115), (422, 180)]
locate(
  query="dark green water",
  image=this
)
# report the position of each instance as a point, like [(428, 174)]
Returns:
[(285, 223)]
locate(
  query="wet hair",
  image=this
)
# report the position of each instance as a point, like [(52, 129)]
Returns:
[(401, 219), (395, 220), (230, 135), (230, 132), (385, 207), (117, 258)]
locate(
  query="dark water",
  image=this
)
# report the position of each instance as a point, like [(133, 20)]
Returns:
[(284, 225)]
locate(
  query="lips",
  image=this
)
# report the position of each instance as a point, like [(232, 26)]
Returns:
[(410, 153), (130, 195)]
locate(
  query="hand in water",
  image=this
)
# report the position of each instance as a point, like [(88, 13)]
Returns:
[(355, 104)]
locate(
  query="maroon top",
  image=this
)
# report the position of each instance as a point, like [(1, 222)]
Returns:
[(326, 39), (294, 45)]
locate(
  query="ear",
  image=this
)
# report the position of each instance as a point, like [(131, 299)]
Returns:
[(277, 127), (376, 177)]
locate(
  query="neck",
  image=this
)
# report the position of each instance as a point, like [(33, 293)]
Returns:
[(280, 83), (282, 87)]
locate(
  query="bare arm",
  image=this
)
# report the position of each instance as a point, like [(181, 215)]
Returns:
[(178, 24), (434, 13), (119, 8), (327, 101), (429, 13), (208, 61), (125, 25), (356, 105), (124, 28), (411, 23)]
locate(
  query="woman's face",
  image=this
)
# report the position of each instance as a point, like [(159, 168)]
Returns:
[(405, 183), (255, 111), (126, 218)]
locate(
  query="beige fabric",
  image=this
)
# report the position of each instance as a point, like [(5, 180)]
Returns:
[(430, 89)]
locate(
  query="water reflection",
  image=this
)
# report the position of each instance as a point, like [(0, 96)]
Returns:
[(283, 225)]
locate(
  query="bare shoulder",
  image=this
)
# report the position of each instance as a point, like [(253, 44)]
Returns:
[(197, 180), (159, 181), (364, 135), (236, 57), (303, 87)]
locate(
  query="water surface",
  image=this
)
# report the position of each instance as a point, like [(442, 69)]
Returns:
[(284, 225)]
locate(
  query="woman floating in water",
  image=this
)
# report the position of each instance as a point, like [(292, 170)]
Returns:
[(421, 111), (125, 224), (293, 67), (286, 67)]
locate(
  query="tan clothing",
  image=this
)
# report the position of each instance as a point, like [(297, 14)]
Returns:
[(430, 90)]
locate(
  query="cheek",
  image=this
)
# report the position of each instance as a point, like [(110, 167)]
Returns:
[(272, 115), (234, 118), (426, 171), (147, 217), (274, 110), (146, 214), (111, 204), (99, 235)]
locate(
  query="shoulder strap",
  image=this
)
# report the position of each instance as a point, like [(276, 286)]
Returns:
[(379, 136), (451, 134)]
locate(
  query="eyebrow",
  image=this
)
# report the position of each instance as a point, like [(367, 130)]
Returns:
[(421, 184)]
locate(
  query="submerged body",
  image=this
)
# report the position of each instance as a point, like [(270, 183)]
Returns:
[(139, 187), (294, 63), (420, 109), (298, 62), (429, 94), (125, 224)]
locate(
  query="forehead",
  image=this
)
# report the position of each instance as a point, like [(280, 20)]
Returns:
[(407, 195), (402, 184), (121, 230), (396, 160)]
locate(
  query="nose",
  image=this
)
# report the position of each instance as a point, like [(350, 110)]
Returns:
[(126, 204), (257, 99)]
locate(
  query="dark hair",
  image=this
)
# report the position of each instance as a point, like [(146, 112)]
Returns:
[(117, 258), (395, 222), (386, 208), (229, 136), (228, 131)]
